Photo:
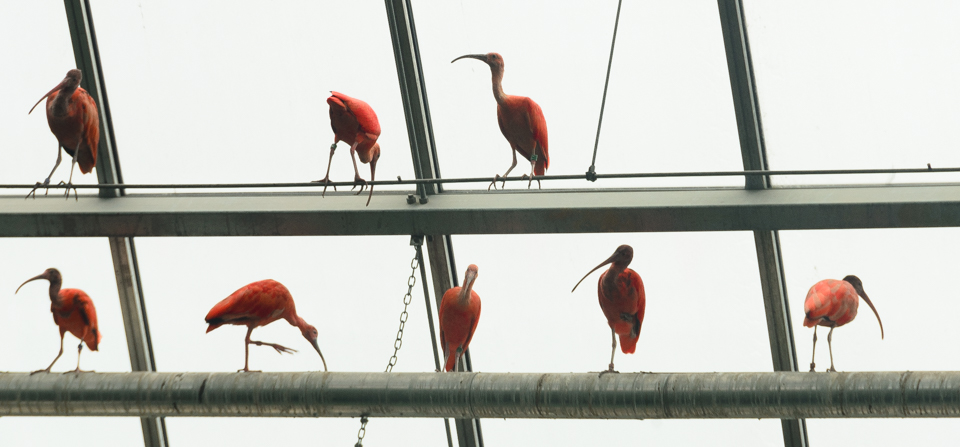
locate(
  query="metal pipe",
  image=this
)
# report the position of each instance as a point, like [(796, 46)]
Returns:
[(486, 395)]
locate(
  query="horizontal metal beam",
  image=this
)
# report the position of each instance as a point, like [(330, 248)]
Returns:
[(547, 211), (483, 395)]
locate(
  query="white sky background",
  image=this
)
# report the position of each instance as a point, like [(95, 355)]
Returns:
[(209, 92)]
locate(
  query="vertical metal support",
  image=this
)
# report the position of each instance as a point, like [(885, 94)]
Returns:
[(426, 166), (87, 55), (747, 108)]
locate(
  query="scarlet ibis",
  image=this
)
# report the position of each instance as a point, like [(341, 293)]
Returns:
[(833, 303), (459, 314), (73, 312), (259, 304), (73, 119), (622, 300), (521, 122), (355, 123)]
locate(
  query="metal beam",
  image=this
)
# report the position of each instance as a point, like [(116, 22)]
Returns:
[(133, 309), (921, 394), (486, 213), (413, 91), (753, 151)]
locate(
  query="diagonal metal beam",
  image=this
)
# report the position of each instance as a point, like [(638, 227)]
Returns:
[(132, 307), (426, 166), (747, 109)]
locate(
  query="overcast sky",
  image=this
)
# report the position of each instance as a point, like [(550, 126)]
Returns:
[(215, 91)]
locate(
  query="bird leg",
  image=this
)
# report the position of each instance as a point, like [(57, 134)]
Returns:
[(456, 363), (54, 360), (613, 336), (497, 177), (78, 370), (326, 178), (830, 346), (533, 165), (812, 364), (70, 180), (357, 180), (47, 181)]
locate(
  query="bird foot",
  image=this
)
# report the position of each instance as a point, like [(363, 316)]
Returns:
[(325, 181), (813, 367), (40, 371), (78, 371), (532, 178), (496, 178), (245, 370), (67, 195), (33, 192), (357, 181), (832, 369), (609, 370), (280, 349)]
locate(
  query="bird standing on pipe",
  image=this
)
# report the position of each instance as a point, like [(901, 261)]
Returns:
[(259, 304), (833, 303), (73, 312), (73, 119), (622, 300), (521, 122), (354, 122), (459, 314)]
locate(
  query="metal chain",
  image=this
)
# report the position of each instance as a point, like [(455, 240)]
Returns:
[(407, 298)]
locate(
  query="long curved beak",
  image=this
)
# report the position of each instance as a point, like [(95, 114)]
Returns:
[(609, 260), (373, 173), (317, 347), (40, 276), (874, 309), (58, 87), (480, 57)]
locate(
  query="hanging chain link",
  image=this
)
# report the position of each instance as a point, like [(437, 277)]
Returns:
[(411, 281), (416, 241)]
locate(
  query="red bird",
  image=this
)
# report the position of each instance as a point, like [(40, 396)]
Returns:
[(354, 122), (459, 314), (73, 119), (622, 300), (833, 303), (259, 304), (521, 122), (73, 312)]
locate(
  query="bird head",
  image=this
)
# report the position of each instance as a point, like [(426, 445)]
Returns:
[(621, 257), (494, 60), (858, 286), (310, 333), (468, 279), (50, 274), (69, 83)]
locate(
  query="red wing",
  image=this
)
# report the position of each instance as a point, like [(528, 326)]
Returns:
[(84, 305), (538, 127), (87, 159), (473, 321), (642, 299), (258, 302), (364, 115)]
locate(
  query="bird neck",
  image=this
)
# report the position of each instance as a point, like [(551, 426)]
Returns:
[(609, 281), (497, 78), (55, 291), (62, 101), (465, 293)]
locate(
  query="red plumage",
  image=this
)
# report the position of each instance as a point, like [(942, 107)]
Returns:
[(73, 312), (73, 118), (459, 314), (355, 123), (521, 122), (622, 299), (259, 304), (832, 303)]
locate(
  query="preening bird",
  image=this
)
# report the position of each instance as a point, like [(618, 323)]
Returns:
[(259, 304), (73, 312), (354, 122), (833, 303), (73, 119), (459, 314), (521, 122), (622, 300)]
